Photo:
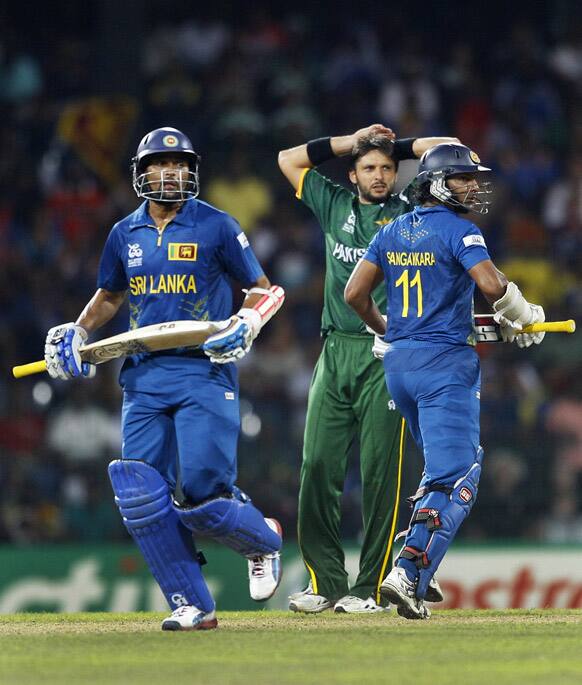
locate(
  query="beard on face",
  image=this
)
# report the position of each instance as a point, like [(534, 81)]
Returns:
[(374, 199)]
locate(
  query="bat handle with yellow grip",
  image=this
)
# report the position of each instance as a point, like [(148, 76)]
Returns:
[(28, 369), (568, 326)]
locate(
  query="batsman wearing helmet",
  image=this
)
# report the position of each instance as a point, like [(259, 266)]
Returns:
[(175, 256), (430, 260), (348, 398)]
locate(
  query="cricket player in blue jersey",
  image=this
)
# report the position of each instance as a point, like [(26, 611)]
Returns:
[(175, 256), (431, 259)]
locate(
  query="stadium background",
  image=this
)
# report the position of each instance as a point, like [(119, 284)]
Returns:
[(80, 84)]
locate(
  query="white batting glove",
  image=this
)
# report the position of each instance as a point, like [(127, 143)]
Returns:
[(379, 347), (527, 339), (61, 352), (235, 340), (513, 312)]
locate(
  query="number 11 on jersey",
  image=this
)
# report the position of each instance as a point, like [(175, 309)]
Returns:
[(406, 286)]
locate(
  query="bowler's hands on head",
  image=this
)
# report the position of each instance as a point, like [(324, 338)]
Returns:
[(374, 130), (61, 352)]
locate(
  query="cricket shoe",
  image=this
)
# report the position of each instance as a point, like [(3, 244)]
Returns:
[(400, 590), (190, 618), (265, 572), (307, 602), (434, 592), (355, 605)]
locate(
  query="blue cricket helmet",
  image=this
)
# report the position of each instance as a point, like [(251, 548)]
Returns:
[(450, 159), (160, 141)]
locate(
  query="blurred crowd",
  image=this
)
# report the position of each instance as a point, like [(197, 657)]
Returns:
[(242, 88)]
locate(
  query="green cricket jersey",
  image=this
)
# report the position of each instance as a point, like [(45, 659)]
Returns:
[(349, 226)]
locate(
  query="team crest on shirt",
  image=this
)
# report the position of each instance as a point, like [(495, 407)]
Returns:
[(182, 252), (134, 255), (383, 221)]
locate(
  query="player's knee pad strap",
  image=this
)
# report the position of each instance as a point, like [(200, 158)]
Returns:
[(144, 500), (435, 521), (235, 523)]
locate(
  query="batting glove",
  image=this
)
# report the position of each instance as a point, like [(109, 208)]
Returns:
[(379, 346), (233, 342), (510, 329), (527, 339), (61, 352)]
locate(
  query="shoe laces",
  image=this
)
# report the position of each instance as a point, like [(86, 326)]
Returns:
[(257, 568), (181, 610)]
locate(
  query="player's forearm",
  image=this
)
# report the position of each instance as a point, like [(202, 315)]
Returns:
[(100, 309), (421, 145), (367, 310), (253, 297), (295, 160), (490, 281), (297, 157)]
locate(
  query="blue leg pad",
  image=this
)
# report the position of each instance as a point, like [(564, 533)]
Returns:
[(144, 500), (236, 523), (435, 522)]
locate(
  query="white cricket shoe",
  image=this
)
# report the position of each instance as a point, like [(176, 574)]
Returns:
[(190, 618), (307, 602), (399, 590), (434, 591), (265, 572), (355, 605)]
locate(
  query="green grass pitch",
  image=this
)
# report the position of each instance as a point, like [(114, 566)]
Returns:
[(278, 648)]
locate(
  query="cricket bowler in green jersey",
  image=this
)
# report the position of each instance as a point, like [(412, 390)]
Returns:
[(348, 399)]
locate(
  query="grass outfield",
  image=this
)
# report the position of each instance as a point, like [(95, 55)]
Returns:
[(280, 648)]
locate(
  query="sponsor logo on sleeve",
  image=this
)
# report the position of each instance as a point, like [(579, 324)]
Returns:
[(243, 240), (182, 252), (471, 240)]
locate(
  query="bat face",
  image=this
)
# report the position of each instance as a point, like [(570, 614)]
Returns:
[(163, 336)]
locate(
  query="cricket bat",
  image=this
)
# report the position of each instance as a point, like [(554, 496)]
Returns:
[(160, 336), (488, 330)]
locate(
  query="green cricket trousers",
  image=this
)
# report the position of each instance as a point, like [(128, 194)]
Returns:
[(348, 400)]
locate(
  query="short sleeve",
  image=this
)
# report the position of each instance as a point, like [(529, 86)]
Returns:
[(373, 252), (111, 275), (469, 246), (320, 194), (237, 256)]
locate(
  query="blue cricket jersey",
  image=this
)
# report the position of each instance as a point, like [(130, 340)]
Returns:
[(181, 273), (425, 255)]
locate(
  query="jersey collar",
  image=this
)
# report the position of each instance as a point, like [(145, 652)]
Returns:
[(141, 217)]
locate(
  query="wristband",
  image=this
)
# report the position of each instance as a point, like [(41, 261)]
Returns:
[(403, 149), (319, 150)]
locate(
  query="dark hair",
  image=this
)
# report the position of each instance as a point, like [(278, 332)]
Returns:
[(372, 142), (420, 193)]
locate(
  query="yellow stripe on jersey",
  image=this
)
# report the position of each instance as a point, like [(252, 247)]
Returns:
[(300, 184), (395, 515)]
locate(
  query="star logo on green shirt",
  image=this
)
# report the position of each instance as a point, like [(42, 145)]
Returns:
[(383, 221)]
